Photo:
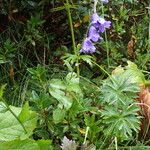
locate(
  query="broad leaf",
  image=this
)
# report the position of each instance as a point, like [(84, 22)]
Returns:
[(65, 91), (61, 97), (72, 83), (11, 129), (58, 115), (26, 145)]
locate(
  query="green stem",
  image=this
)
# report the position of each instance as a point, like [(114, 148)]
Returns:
[(90, 82), (147, 83), (71, 25), (86, 134), (148, 47), (106, 42), (14, 115), (149, 31), (101, 68), (72, 35)]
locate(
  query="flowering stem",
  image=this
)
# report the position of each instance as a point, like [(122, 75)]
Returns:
[(106, 41), (95, 4), (72, 35)]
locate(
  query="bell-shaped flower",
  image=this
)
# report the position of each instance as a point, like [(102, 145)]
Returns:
[(99, 23), (87, 46), (105, 1), (94, 34)]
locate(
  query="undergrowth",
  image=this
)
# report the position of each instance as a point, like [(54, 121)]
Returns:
[(75, 75)]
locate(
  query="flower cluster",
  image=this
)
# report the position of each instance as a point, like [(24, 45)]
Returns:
[(97, 26), (68, 144)]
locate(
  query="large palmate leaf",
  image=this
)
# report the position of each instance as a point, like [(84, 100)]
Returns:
[(10, 128), (123, 85), (132, 72), (119, 90), (121, 123), (26, 145)]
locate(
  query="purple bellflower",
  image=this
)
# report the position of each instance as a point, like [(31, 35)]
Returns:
[(97, 26), (105, 1), (94, 34), (99, 23), (88, 46)]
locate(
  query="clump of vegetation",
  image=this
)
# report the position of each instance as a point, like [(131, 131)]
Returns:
[(75, 75)]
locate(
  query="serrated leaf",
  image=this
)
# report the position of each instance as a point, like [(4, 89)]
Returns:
[(121, 122), (87, 59), (119, 90), (135, 75)]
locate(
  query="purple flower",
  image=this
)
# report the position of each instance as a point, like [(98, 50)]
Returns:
[(94, 34), (88, 46), (105, 1), (99, 23), (68, 144)]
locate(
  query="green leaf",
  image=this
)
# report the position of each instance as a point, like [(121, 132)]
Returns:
[(26, 144), (2, 60), (11, 129), (57, 84), (45, 144), (57, 90), (66, 91), (72, 83), (119, 90), (135, 75), (132, 72), (3, 108), (24, 114), (58, 115), (87, 58), (121, 122), (2, 88), (61, 97)]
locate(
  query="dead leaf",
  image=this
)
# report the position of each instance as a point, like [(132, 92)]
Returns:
[(130, 48)]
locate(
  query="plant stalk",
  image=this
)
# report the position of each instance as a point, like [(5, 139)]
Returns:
[(106, 41), (86, 134), (72, 35), (149, 30)]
